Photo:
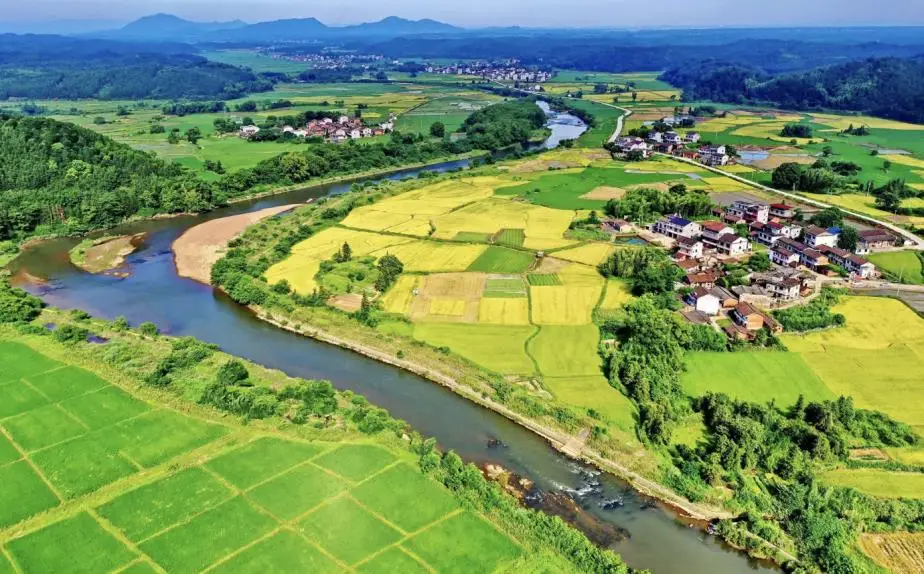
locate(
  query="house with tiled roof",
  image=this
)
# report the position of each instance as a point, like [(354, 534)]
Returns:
[(675, 226), (815, 236)]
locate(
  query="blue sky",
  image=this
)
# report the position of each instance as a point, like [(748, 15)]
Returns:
[(557, 13)]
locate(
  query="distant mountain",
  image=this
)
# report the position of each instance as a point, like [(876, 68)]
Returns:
[(294, 29), (394, 26), (169, 27), (59, 26)]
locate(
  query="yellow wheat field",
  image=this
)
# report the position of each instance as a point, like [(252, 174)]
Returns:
[(617, 295), (562, 305), (504, 311), (905, 160), (447, 307), (843, 122)]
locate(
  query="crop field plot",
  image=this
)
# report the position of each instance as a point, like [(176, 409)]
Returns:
[(406, 497), (504, 287), (284, 551), (900, 552), (452, 296), (20, 361), (565, 351), (504, 311), (24, 493), (347, 530), (618, 293), (877, 362), (433, 257), (463, 543), (594, 392), (260, 460), (510, 237), (356, 462), (392, 560), (543, 280), (905, 265), (43, 427), (81, 466), (399, 298), (881, 483), (496, 259), (589, 254), (500, 348), (563, 305), (757, 377)]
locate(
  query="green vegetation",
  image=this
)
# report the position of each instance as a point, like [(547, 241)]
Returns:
[(325, 495), (757, 377), (503, 260), (565, 190), (504, 124), (903, 266)]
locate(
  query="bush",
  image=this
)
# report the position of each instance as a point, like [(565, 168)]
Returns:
[(232, 373), (71, 334), (148, 329), (16, 305)]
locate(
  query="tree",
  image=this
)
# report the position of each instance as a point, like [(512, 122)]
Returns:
[(193, 135), (888, 201), (345, 253), (678, 189), (149, 329), (886, 165), (173, 137), (829, 217), (232, 373), (438, 129), (848, 238), (634, 96), (787, 176), (827, 151)]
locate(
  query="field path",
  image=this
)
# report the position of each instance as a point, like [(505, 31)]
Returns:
[(200, 247)]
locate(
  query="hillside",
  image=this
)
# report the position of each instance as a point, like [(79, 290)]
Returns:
[(887, 87), (45, 67), (56, 176)]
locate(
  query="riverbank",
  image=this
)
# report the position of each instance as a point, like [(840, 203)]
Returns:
[(200, 247), (105, 254)]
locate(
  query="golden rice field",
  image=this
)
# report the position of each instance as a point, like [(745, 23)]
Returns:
[(617, 295), (905, 160), (432, 257), (771, 131), (876, 361), (398, 298), (875, 482), (865, 205), (900, 552), (504, 311), (841, 123), (589, 254)]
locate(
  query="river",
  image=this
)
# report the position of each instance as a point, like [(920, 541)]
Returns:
[(656, 539)]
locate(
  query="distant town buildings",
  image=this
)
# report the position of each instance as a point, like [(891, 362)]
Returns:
[(333, 130)]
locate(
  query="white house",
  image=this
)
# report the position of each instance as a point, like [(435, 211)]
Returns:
[(707, 303), (814, 236), (713, 155), (673, 138), (676, 226), (247, 131), (691, 137), (690, 247), (749, 211), (731, 244)]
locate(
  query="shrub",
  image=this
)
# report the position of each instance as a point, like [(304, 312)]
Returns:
[(71, 334), (232, 373), (148, 329)]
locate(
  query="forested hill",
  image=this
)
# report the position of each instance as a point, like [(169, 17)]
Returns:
[(886, 87), (55, 176), (45, 67)]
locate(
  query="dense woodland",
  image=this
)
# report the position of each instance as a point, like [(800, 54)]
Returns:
[(49, 67), (886, 87), (501, 125)]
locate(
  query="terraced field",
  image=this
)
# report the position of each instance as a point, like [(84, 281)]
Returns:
[(96, 479)]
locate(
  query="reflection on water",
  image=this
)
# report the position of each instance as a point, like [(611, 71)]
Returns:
[(648, 536)]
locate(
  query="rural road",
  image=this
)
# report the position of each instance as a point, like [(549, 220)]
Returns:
[(917, 242)]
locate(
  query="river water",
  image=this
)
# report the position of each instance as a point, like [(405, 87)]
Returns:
[(655, 538)]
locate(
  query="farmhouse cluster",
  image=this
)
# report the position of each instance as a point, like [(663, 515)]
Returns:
[(333, 130), (713, 255), (502, 70), (671, 142)]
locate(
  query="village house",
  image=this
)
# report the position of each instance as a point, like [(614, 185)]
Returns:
[(815, 236), (627, 145), (704, 301), (753, 294), (727, 299), (853, 264), (248, 131), (782, 254), (705, 279), (747, 316), (782, 211), (691, 137), (712, 230), (784, 249), (675, 226), (769, 233), (690, 247), (617, 226), (731, 244), (696, 317), (656, 137), (873, 240), (749, 211), (689, 265), (784, 283), (673, 138), (713, 156)]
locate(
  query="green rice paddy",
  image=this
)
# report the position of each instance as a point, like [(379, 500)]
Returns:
[(95, 479), (502, 260)]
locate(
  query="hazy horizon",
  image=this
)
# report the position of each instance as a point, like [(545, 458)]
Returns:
[(484, 13)]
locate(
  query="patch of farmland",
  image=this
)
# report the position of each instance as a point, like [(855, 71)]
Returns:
[(904, 264), (594, 392), (875, 482), (618, 293), (756, 377), (877, 362), (496, 259), (566, 351), (399, 298), (589, 254), (300, 268), (433, 257), (510, 237), (505, 287), (499, 348), (543, 279), (463, 543), (900, 552), (472, 237), (504, 311)]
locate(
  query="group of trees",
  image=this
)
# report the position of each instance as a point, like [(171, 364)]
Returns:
[(815, 315), (501, 125), (886, 87), (17, 306), (645, 204), (796, 131), (649, 269), (56, 176)]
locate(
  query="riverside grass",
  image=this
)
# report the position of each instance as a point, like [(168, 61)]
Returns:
[(233, 498)]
